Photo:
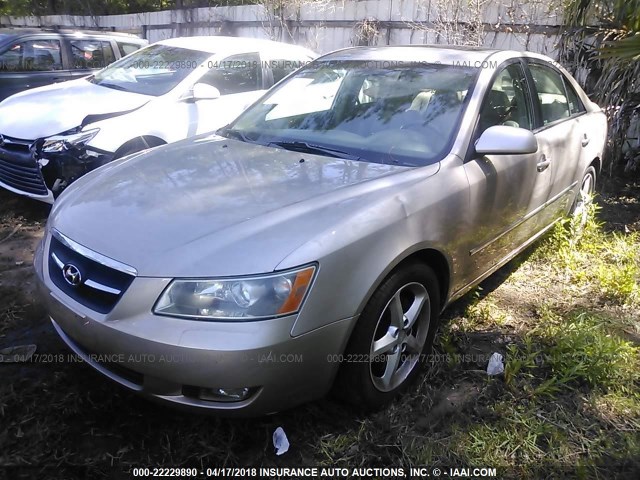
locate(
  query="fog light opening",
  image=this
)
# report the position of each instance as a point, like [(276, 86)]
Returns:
[(226, 395)]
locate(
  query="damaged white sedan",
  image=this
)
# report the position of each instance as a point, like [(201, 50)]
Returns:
[(171, 90)]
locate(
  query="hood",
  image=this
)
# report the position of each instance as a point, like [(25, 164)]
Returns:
[(45, 111), (212, 206)]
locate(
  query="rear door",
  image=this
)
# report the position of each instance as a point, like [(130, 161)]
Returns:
[(239, 78), (507, 192), (278, 65), (559, 135), (29, 62)]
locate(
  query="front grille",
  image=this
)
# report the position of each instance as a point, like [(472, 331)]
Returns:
[(15, 144), (99, 287), (18, 168)]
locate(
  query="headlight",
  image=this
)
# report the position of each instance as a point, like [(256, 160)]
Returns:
[(248, 298), (60, 143)]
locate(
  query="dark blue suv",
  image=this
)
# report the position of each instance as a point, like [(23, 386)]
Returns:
[(31, 58)]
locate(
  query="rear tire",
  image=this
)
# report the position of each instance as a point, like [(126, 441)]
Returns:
[(580, 208), (394, 332)]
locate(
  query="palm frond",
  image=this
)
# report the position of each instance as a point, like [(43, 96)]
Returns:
[(625, 49), (601, 48)]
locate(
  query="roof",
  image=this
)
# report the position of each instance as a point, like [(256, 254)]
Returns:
[(17, 31), (214, 44), (414, 53)]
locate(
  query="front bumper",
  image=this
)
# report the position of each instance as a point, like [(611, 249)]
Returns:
[(170, 359), (60, 170), (25, 171), (20, 171)]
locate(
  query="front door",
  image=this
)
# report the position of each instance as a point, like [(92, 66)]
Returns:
[(507, 192)]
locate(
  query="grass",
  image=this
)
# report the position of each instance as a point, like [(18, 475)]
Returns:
[(569, 400), (604, 264), (565, 316), (584, 349)]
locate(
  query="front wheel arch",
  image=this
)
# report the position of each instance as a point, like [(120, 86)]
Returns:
[(428, 255), (137, 144), (355, 382)]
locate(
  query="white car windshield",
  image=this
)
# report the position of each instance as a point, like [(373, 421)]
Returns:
[(154, 70), (384, 112)]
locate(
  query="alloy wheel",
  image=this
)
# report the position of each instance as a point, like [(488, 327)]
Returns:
[(399, 337)]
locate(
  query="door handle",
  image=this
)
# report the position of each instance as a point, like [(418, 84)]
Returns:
[(585, 140), (543, 164)]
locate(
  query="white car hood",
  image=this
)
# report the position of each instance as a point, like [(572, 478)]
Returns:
[(45, 111)]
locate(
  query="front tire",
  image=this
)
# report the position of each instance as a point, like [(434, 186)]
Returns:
[(394, 331), (136, 145)]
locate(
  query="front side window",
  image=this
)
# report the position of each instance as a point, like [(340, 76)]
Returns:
[(507, 101), (154, 70), (551, 94), (91, 54), (32, 56), (370, 111)]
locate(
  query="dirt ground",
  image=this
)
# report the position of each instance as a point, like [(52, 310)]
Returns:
[(63, 413)]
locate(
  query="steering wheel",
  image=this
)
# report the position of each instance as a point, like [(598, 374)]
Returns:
[(424, 128), (408, 140)]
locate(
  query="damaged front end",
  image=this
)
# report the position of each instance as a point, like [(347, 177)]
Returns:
[(43, 168), (66, 157)]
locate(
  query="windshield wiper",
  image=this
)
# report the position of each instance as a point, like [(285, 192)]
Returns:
[(305, 147), (231, 133), (112, 85)]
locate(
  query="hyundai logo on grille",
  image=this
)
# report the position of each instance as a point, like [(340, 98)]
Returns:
[(72, 275)]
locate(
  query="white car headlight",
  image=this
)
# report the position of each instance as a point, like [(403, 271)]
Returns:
[(60, 143), (246, 298)]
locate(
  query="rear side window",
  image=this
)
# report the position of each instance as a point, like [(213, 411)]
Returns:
[(575, 105), (551, 93), (235, 74), (127, 48), (32, 56), (91, 54), (284, 66)]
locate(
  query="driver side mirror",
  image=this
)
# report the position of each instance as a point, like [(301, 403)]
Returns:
[(505, 140), (201, 91)]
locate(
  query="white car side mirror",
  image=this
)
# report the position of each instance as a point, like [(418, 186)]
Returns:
[(201, 91), (505, 140)]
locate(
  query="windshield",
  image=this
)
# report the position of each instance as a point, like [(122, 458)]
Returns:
[(154, 70), (383, 112)]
